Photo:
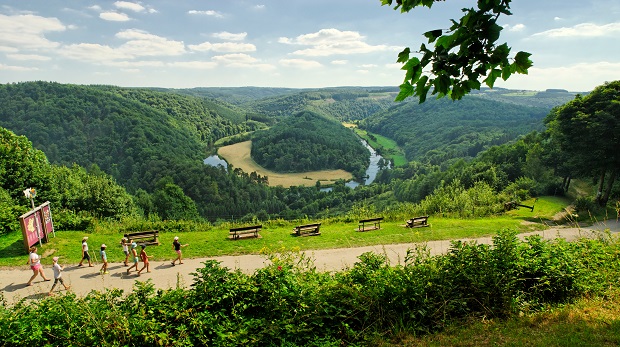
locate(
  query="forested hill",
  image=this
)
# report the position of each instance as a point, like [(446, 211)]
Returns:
[(439, 130), (134, 135), (343, 104), (309, 142)]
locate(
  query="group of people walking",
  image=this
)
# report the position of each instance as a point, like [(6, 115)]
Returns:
[(129, 249)]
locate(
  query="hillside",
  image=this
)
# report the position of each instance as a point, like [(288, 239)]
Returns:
[(439, 130), (309, 142), (128, 133)]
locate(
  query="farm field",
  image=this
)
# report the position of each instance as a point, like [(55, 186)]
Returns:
[(238, 155)]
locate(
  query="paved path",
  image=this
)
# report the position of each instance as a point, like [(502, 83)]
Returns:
[(164, 275)]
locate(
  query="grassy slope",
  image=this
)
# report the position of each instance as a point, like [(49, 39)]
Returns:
[(213, 241), (589, 322)]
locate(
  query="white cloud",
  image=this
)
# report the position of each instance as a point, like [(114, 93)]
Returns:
[(17, 68), (340, 62), (126, 5), (368, 66), (92, 52), (300, 63), (206, 13), (135, 64), (201, 65), (328, 42), (95, 7), (224, 35), (558, 18), (28, 31), (515, 28), (580, 77), (583, 30), (141, 43), (226, 47), (34, 57), (259, 7), (8, 49), (234, 59), (114, 16)]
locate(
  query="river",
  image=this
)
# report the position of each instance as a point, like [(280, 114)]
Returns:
[(371, 172)]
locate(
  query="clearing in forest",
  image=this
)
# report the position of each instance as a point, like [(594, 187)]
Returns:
[(238, 155)]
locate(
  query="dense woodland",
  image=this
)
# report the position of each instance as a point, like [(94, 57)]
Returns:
[(147, 146), (307, 142)]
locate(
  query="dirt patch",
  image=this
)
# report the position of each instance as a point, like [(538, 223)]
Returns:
[(238, 155)]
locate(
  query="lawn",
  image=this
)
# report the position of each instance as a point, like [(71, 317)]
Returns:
[(215, 242)]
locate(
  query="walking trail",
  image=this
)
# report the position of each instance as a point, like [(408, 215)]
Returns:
[(85, 279)]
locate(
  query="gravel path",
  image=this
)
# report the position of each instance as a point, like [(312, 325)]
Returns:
[(164, 275)]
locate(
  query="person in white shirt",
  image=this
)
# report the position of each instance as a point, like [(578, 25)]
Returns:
[(57, 276), (85, 254), (35, 265)]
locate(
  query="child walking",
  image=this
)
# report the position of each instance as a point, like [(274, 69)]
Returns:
[(134, 254), (145, 259), (104, 259), (125, 244), (85, 255), (35, 265), (57, 276), (176, 245)]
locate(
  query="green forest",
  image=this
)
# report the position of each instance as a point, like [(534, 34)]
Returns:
[(307, 142), (129, 159), (149, 144)]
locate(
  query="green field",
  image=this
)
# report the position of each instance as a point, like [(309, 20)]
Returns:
[(387, 147), (212, 241)]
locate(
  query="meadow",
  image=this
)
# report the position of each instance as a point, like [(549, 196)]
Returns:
[(238, 155)]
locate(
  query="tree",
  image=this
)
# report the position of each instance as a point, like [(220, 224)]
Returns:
[(588, 129), (171, 203), (462, 56)]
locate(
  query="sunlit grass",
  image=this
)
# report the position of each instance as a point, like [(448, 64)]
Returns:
[(589, 322), (215, 242)]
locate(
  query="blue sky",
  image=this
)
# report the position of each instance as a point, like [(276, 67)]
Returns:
[(575, 45)]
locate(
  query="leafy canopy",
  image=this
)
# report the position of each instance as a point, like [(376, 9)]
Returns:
[(463, 56)]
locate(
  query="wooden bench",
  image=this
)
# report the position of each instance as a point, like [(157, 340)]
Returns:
[(511, 205), (245, 232), (418, 222), (149, 237), (365, 224), (307, 229)]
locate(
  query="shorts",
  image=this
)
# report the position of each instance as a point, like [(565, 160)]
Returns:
[(36, 267), (126, 252), (86, 256), (59, 279), (104, 259), (178, 252), (135, 260)]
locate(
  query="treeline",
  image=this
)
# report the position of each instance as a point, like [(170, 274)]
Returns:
[(440, 130), (309, 142), (133, 135)]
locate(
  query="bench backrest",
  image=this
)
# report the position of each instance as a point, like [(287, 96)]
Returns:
[(142, 233), (309, 225), (419, 218), (246, 228), (371, 220)]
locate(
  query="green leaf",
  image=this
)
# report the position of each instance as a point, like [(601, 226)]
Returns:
[(522, 62), (493, 75), (406, 90), (404, 55), (413, 68), (445, 41), (433, 35)]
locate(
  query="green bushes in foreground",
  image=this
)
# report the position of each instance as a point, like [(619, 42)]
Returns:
[(290, 303)]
